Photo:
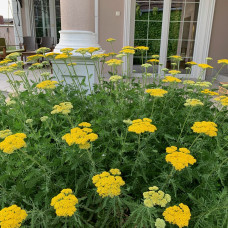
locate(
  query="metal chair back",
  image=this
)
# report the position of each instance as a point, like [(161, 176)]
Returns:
[(47, 42), (2, 43)]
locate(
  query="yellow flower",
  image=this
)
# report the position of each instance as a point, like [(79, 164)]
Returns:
[(156, 92), (34, 57), (203, 84), (66, 50), (223, 100), (110, 40), (115, 78), (63, 108), (207, 128), (13, 142), (127, 47), (48, 84), (176, 57), (155, 56), (115, 172), (62, 56), (141, 126), (223, 61), (128, 51), (178, 215), (5, 133), (51, 55), (160, 223), (209, 92), (193, 102), (5, 62), (191, 63), (93, 49), (171, 79), (99, 56), (42, 50), (174, 72), (81, 136), (204, 66), (155, 197), (65, 203), (188, 82), (179, 159), (114, 62), (108, 184), (153, 61), (142, 48), (12, 217)]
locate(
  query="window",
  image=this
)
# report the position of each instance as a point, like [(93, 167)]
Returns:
[(179, 16)]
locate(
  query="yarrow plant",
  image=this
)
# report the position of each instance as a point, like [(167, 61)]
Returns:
[(75, 129)]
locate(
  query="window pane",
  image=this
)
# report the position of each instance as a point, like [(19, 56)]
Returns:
[(148, 27), (182, 30)]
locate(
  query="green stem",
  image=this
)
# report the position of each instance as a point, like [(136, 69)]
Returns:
[(194, 141)]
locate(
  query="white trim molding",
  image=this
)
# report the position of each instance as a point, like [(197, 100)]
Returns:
[(203, 34), (165, 33)]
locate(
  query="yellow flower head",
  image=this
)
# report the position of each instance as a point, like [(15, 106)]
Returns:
[(188, 82), (48, 84), (153, 61), (191, 63), (51, 55), (34, 57), (178, 215), (179, 159), (207, 128), (223, 100), (111, 40), (65, 203), (156, 92), (156, 197), (176, 57), (193, 102), (42, 50), (127, 47), (174, 72), (128, 51), (171, 79), (209, 92), (5, 133), (5, 62), (108, 183), (223, 61), (114, 62), (81, 136), (141, 126), (93, 49), (13, 142), (62, 56), (115, 78), (12, 217), (142, 48), (204, 66), (67, 50), (203, 84), (64, 108)]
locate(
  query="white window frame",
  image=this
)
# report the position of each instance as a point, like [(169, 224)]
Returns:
[(203, 31)]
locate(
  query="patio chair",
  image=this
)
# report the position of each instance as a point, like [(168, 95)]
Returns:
[(30, 46), (4, 49), (47, 42)]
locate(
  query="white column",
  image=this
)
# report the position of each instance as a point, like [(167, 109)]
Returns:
[(78, 24), (203, 34)]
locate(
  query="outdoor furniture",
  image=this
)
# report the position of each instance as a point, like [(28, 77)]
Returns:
[(30, 47), (47, 42), (4, 51)]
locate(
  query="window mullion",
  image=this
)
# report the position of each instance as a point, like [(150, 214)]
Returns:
[(165, 32)]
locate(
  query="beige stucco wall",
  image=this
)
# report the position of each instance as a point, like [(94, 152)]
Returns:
[(77, 15), (219, 37), (7, 32), (110, 25), (23, 18)]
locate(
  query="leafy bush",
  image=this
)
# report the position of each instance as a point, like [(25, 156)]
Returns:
[(33, 175)]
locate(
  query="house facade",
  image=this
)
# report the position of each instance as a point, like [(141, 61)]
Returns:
[(194, 29)]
